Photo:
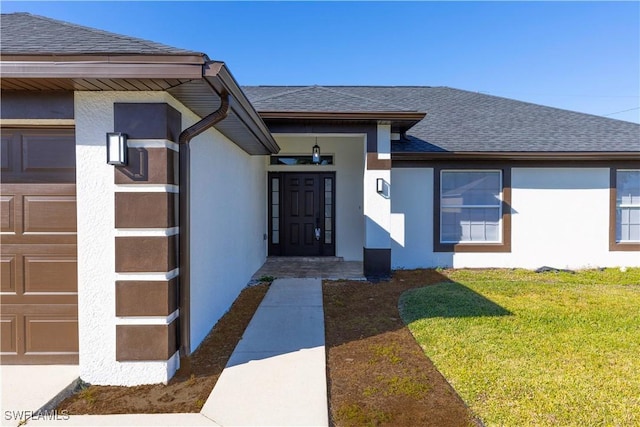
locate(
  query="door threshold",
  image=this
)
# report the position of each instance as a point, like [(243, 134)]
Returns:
[(305, 258)]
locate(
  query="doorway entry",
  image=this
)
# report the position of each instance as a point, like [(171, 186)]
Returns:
[(302, 213)]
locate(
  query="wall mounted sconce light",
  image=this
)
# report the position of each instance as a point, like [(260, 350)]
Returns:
[(315, 154), (116, 148), (380, 185)]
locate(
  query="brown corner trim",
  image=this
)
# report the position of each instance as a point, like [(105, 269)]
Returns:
[(374, 163), (146, 298), (145, 342)]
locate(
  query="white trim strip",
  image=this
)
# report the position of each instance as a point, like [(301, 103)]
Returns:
[(147, 188), (147, 232), (147, 320), (148, 276), (37, 122), (153, 143)]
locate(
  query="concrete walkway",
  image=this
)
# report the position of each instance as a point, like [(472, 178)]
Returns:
[(277, 374), (28, 388)]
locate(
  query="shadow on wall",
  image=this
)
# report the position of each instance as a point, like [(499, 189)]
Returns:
[(447, 300)]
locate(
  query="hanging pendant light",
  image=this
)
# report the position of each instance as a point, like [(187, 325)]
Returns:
[(315, 154)]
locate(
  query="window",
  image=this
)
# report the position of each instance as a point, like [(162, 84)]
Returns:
[(299, 160), (625, 209), (470, 213)]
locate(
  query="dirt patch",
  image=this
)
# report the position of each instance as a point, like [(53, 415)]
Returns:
[(189, 389), (378, 374)]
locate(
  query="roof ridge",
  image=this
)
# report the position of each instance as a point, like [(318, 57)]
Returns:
[(148, 43)]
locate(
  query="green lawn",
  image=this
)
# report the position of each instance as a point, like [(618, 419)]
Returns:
[(525, 348)]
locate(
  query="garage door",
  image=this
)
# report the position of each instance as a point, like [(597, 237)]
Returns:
[(39, 313)]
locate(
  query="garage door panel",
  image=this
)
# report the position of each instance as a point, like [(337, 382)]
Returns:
[(8, 274), (44, 152), (6, 152), (6, 214), (49, 214), (8, 334), (39, 322), (50, 333), (50, 274), (38, 155)]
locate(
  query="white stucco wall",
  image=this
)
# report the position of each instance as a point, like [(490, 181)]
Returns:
[(348, 152), (228, 207), (96, 245), (560, 218), (228, 210)]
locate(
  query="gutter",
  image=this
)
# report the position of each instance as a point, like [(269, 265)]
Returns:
[(184, 334)]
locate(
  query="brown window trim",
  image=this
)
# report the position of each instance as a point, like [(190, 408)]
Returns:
[(505, 245), (613, 244)]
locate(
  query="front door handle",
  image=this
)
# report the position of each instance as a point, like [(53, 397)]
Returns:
[(317, 230)]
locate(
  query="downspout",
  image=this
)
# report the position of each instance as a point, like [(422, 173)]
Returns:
[(184, 331)]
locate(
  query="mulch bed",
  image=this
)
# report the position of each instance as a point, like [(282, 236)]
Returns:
[(189, 389), (377, 373)]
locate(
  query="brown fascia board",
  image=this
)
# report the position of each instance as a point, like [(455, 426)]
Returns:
[(409, 116), (517, 155), (103, 67), (221, 79)]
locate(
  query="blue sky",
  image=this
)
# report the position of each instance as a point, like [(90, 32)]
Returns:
[(573, 55)]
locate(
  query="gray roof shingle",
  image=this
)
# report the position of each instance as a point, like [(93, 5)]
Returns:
[(459, 121), (320, 98), (27, 34)]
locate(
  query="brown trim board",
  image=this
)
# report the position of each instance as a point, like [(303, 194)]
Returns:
[(146, 254), (145, 210), (504, 246), (149, 166), (370, 130), (145, 342), (536, 159), (375, 163), (36, 105), (146, 298)]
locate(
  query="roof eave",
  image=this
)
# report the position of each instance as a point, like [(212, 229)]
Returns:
[(103, 66), (344, 115), (516, 155), (221, 79)]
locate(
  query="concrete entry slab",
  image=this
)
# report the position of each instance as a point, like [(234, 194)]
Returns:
[(332, 268), (277, 373)]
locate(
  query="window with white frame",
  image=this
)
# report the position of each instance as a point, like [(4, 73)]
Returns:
[(627, 205), (470, 206)]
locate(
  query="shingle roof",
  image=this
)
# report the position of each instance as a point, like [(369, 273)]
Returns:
[(27, 34), (320, 98), (460, 121)]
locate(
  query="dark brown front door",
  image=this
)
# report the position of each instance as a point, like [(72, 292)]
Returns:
[(39, 315), (302, 214)]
